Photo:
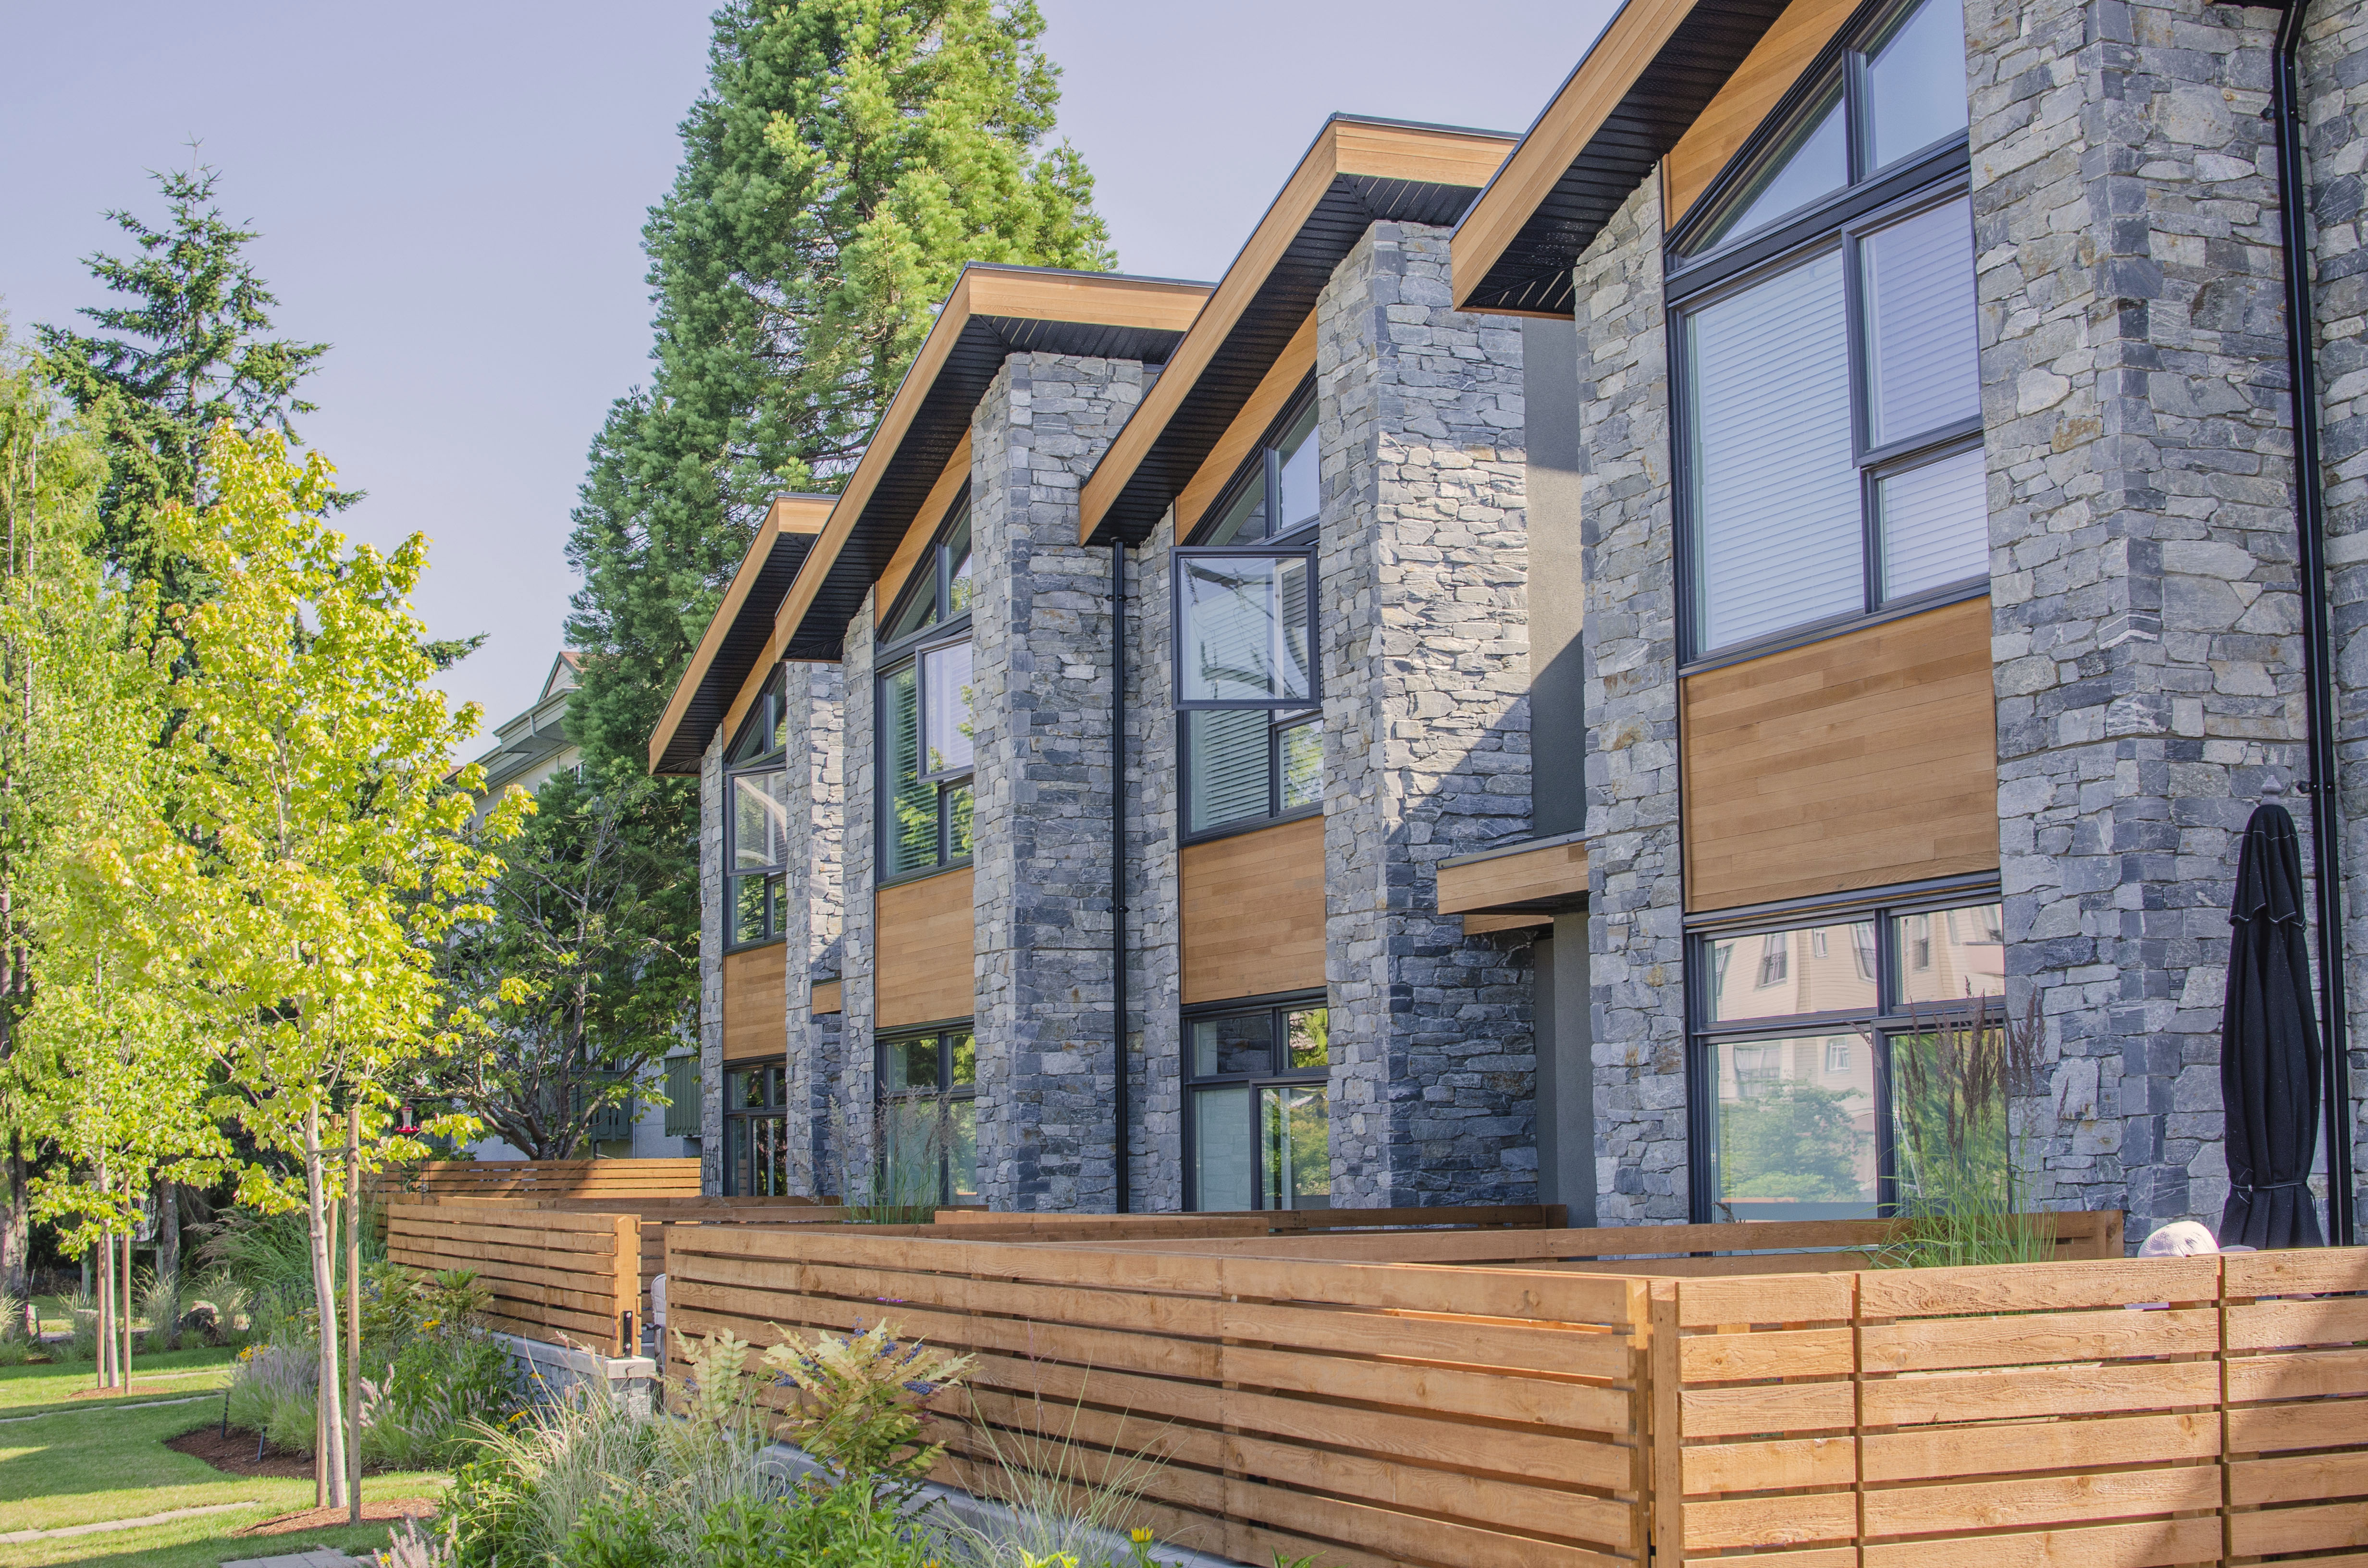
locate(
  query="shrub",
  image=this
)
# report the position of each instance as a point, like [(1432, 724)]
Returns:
[(422, 1413), (862, 1406)]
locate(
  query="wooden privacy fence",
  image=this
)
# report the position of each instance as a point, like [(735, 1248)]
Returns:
[(1532, 1409), (542, 1178), (980, 1224), (1361, 1414), (554, 1276), (2123, 1414)]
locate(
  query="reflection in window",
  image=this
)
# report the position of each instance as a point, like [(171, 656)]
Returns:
[(756, 1133), (1790, 1145), (1245, 764), (926, 715), (1814, 163), (1825, 969), (1948, 956), (1916, 83), (928, 1086), (1261, 1115), (757, 819), (1246, 629)]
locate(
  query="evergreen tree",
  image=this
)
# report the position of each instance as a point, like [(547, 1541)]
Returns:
[(846, 159), (193, 351)]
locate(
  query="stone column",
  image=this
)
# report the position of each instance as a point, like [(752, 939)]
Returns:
[(1636, 874), (1422, 626), (1040, 630), (2335, 99), (712, 918), (1155, 957), (846, 1164), (2143, 587), (811, 914)]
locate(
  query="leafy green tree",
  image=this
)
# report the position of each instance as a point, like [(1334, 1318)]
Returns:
[(1791, 1141), (192, 349), (846, 158), (320, 851), (569, 997)]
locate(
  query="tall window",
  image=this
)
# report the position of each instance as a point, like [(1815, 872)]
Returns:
[(757, 825), (927, 1086), (1825, 346), (1245, 616), (925, 712), (1259, 1128), (756, 1133), (1797, 1033)]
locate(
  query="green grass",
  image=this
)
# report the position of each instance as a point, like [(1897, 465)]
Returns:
[(87, 1459)]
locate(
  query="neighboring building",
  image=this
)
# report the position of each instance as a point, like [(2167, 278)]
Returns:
[(1538, 697), (530, 751), (1941, 617)]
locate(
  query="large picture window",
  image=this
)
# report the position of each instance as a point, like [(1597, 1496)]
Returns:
[(928, 1084), (756, 1133), (1246, 686), (1797, 1033), (924, 713), (756, 821), (1259, 1125), (1824, 346)]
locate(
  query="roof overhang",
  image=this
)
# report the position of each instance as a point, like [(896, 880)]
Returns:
[(738, 637), (992, 314), (1640, 87), (1357, 172)]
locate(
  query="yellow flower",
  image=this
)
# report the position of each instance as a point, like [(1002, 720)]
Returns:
[(1140, 1537)]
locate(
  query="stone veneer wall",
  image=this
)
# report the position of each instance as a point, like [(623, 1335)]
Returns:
[(1040, 630), (1424, 644), (812, 906), (1155, 956), (2145, 607), (847, 1114), (711, 966), (2335, 94), (1635, 889)]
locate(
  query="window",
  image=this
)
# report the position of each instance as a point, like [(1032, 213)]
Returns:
[(757, 820), (927, 1086), (1795, 1115), (756, 1133), (1825, 353), (1245, 656), (682, 1096), (924, 714), (1259, 1129)]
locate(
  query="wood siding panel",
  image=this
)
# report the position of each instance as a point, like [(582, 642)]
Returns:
[(1766, 75), (826, 997), (1252, 910), (1557, 870), (1859, 761), (757, 1002), (926, 936)]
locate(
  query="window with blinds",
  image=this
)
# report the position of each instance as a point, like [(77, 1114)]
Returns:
[(1829, 390)]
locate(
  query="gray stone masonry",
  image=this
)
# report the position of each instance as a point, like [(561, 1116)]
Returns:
[(1041, 634), (710, 967), (1425, 653), (1154, 959), (2335, 92), (2143, 587), (810, 912), (846, 1165), (1635, 894)]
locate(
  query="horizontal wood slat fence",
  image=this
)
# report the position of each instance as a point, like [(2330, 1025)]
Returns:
[(980, 1224), (556, 1277), (542, 1178), (1315, 1395)]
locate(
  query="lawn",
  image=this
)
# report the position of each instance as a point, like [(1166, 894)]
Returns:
[(65, 1462)]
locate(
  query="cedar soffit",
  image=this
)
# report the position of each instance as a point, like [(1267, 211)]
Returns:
[(992, 314), (1653, 69), (1357, 171)]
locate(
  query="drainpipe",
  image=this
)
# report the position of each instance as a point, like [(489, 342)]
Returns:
[(1117, 864), (2318, 642)]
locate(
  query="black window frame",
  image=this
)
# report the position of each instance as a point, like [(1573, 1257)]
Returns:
[(1279, 722), (767, 718), (946, 1093), (1891, 1015), (1693, 278), (751, 1123), (909, 651), (1278, 1007)]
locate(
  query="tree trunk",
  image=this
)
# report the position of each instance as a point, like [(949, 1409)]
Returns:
[(353, 1312), (329, 1454), (125, 1366), (106, 1311), (168, 1231), (16, 1231)]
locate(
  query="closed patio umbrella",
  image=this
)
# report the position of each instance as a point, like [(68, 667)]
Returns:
[(2269, 1045)]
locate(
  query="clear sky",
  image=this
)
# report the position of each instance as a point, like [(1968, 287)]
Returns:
[(453, 194)]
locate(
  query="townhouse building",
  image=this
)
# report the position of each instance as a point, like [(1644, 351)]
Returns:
[(1535, 684), (1953, 588)]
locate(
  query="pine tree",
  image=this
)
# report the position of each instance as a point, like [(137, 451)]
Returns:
[(846, 159), (192, 351)]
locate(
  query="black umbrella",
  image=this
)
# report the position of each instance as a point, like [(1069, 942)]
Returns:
[(2268, 1046)]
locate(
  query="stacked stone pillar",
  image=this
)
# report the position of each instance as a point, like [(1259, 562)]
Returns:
[(812, 902), (1425, 655)]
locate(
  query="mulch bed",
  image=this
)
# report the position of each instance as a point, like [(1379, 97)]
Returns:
[(234, 1454), (374, 1512)]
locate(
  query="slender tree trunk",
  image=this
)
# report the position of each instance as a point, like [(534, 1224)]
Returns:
[(15, 1232), (106, 1311), (127, 1236), (353, 1313), (329, 1455), (168, 1231)]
